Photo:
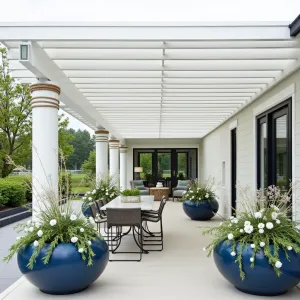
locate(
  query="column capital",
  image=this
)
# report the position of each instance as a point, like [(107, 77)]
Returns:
[(44, 95), (123, 149), (114, 144), (102, 131), (101, 135)]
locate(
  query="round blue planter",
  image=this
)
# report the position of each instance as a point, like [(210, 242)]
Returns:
[(262, 279), (86, 210), (66, 273), (202, 210)]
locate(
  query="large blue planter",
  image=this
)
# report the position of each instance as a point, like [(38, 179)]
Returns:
[(86, 210), (262, 279), (202, 210), (66, 273)]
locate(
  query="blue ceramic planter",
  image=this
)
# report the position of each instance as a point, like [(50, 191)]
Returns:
[(66, 273), (202, 210), (262, 279), (86, 210)]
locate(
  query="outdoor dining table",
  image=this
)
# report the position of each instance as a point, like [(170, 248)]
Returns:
[(145, 204)]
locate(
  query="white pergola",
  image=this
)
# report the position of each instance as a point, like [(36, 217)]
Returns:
[(155, 80), (143, 80)]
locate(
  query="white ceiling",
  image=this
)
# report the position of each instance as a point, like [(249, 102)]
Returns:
[(165, 88)]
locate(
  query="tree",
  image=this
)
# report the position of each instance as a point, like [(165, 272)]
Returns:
[(15, 118), (65, 137), (89, 166), (83, 144)]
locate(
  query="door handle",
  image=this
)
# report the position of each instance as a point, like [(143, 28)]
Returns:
[(174, 173)]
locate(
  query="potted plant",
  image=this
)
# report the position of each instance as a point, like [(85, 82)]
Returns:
[(60, 252), (258, 251), (105, 188), (131, 196), (200, 202)]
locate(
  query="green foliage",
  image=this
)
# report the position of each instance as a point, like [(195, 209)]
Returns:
[(25, 180), (262, 222), (64, 137), (65, 183), (15, 118), (89, 166), (83, 144), (105, 188), (200, 192), (146, 164), (55, 225), (131, 192), (12, 193)]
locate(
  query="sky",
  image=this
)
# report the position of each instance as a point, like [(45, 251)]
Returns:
[(147, 11)]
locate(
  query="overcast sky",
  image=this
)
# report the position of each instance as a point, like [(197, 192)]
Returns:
[(147, 11)]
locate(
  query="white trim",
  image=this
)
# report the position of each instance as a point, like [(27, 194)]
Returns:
[(233, 124), (283, 95), (12, 287)]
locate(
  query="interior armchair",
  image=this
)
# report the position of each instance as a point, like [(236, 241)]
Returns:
[(182, 186), (139, 185)]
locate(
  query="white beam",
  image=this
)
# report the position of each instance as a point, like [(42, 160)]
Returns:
[(142, 32)]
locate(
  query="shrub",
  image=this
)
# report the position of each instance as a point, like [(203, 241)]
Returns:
[(65, 183), (12, 193), (26, 181)]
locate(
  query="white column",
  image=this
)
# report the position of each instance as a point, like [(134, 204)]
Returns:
[(123, 167), (45, 105), (101, 153), (114, 159)]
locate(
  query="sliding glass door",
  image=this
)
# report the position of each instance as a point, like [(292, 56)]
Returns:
[(274, 151)]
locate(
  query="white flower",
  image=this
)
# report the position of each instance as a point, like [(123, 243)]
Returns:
[(94, 192), (251, 259), (235, 221), (233, 253), (261, 225), (80, 250), (35, 243), (81, 229), (262, 244), (91, 219), (278, 221), (73, 217), (258, 215), (18, 237), (63, 214), (26, 229), (37, 225), (83, 198), (274, 215), (206, 195), (204, 249), (247, 223), (184, 193), (278, 264), (90, 198), (230, 225), (221, 224), (53, 222), (28, 223), (248, 229), (252, 246), (30, 229), (231, 218), (40, 233), (230, 236), (261, 231), (241, 230), (269, 225), (88, 192), (89, 243), (275, 208), (290, 248), (74, 239)]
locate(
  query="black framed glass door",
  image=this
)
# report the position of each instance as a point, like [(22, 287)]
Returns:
[(233, 172), (274, 146)]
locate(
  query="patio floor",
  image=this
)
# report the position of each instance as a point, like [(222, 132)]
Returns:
[(181, 271)]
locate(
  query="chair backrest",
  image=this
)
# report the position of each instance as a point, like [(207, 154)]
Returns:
[(183, 183), (124, 217), (94, 209), (161, 206)]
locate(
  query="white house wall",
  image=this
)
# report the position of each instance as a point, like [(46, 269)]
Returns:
[(216, 145), (156, 144)]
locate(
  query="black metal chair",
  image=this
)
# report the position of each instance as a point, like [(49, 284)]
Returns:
[(96, 215), (119, 217), (154, 238)]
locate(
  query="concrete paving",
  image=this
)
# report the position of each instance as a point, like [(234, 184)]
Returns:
[(181, 271)]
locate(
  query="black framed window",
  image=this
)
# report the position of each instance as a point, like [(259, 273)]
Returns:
[(274, 146)]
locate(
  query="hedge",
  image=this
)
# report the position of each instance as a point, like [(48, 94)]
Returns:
[(12, 193), (25, 180)]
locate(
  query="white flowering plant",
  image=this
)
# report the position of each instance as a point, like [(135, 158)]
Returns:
[(264, 222), (200, 191), (106, 188), (55, 225)]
